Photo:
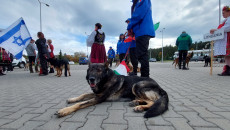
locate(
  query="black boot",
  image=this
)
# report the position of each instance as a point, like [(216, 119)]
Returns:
[(184, 64)]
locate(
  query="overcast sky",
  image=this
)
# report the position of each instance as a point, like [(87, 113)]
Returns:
[(67, 22)]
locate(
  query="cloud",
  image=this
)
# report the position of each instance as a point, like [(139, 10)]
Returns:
[(67, 21)]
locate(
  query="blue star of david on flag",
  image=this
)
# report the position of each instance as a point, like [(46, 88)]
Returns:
[(15, 38)]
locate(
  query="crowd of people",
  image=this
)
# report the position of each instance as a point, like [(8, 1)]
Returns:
[(134, 42), (45, 51), (131, 46)]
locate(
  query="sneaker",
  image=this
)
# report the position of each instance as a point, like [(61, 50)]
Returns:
[(185, 68)]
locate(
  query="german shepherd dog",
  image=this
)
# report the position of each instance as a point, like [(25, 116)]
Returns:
[(176, 61), (106, 86), (59, 65)]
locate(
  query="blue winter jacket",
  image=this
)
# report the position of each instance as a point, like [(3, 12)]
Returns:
[(141, 21), (122, 47), (111, 53)]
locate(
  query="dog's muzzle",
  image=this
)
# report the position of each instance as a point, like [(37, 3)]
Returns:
[(92, 82)]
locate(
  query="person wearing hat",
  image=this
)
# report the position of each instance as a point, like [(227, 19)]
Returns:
[(183, 43), (122, 48), (141, 24), (96, 39), (111, 56)]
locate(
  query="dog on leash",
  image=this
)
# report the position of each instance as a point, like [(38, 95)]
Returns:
[(176, 61), (145, 93), (59, 65)]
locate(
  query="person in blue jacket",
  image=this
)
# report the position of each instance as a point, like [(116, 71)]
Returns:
[(122, 48), (111, 56), (141, 24)]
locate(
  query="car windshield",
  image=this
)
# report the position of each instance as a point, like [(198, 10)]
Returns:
[(82, 58)]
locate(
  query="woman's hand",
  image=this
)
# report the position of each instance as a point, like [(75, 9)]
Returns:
[(212, 31)]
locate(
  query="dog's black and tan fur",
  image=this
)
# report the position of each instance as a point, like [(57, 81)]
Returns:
[(59, 65), (188, 58), (145, 93)]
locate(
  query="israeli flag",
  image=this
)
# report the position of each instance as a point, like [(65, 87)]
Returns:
[(15, 38)]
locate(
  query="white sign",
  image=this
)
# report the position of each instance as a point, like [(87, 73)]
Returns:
[(217, 35)]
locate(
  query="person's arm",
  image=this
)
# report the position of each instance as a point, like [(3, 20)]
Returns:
[(52, 48), (177, 42), (91, 39), (226, 26), (117, 49), (113, 52), (141, 9)]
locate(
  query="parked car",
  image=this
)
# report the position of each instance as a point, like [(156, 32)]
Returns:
[(19, 63), (83, 61), (71, 63), (152, 60), (197, 58)]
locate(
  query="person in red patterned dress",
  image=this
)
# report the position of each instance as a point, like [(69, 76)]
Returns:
[(96, 39), (222, 47)]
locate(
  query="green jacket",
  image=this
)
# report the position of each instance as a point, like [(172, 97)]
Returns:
[(183, 42)]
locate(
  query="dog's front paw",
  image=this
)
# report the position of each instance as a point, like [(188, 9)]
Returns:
[(64, 112), (138, 109), (70, 100)]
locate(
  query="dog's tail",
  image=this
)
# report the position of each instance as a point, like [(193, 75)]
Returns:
[(159, 106), (66, 68)]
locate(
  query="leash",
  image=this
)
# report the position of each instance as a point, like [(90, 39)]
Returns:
[(127, 51)]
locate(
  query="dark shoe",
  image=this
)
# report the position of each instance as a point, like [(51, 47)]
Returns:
[(185, 68), (43, 74), (223, 74), (132, 74), (226, 71)]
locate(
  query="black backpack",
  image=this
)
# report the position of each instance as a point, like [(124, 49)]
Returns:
[(99, 38)]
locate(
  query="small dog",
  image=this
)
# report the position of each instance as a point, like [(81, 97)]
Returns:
[(59, 65), (26, 68), (207, 60), (176, 61), (146, 94)]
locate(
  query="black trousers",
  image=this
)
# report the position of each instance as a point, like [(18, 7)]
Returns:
[(44, 65), (122, 56), (182, 56), (133, 58), (142, 45)]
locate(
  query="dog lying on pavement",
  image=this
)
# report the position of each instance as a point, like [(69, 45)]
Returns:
[(145, 93)]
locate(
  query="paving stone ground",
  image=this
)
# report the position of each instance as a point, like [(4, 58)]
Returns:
[(198, 101)]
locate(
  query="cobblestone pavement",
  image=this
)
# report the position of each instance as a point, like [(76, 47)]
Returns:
[(197, 101)]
